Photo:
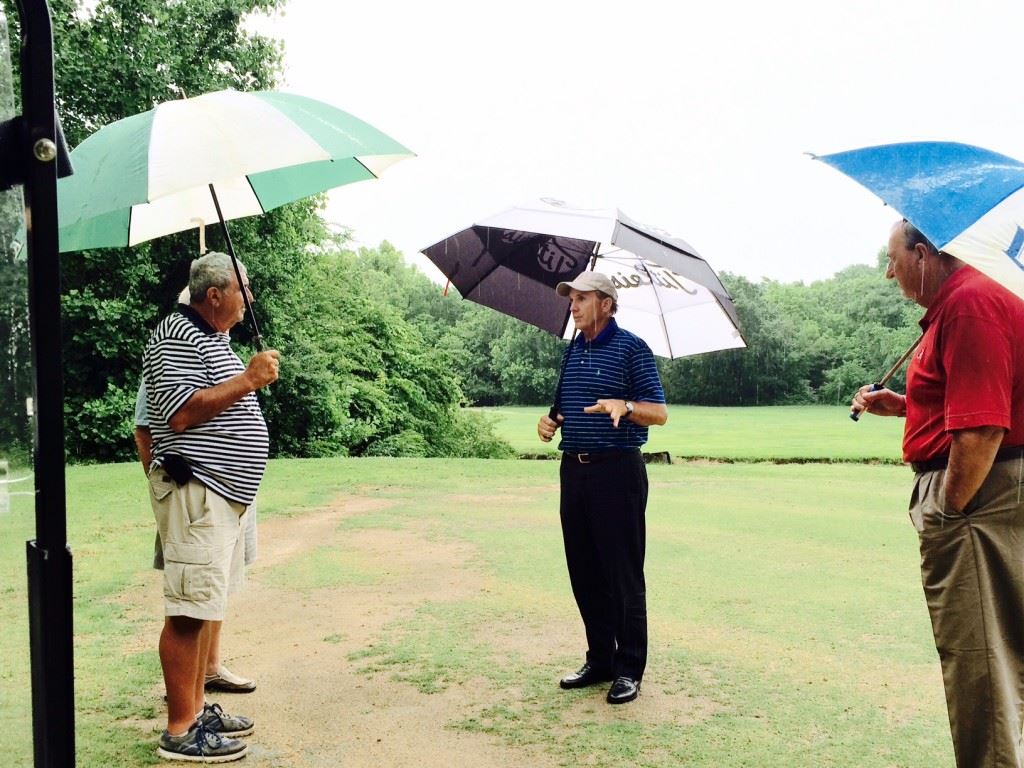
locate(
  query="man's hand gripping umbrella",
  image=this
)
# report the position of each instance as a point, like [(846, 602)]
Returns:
[(857, 409)]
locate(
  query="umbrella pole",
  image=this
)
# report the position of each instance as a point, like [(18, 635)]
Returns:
[(661, 311), (257, 336), (553, 411), (855, 414)]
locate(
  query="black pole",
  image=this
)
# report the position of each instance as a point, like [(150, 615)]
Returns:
[(49, 558), (257, 336)]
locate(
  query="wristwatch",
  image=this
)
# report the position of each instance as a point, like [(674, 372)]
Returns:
[(629, 408)]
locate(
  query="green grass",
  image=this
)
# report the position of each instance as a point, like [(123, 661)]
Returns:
[(816, 432), (784, 603), (325, 567), (787, 622)]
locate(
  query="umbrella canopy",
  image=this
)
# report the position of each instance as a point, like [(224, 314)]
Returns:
[(151, 174), (667, 294), (968, 201)]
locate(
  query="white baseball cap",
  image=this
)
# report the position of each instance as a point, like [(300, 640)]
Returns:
[(589, 281)]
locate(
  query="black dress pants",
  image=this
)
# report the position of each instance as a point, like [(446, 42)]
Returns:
[(603, 528)]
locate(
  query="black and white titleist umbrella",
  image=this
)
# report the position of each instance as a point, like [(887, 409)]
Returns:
[(667, 294)]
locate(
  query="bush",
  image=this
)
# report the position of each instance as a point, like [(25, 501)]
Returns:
[(472, 437), (406, 444)]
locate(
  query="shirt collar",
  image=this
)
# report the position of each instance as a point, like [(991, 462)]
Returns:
[(196, 319), (603, 337), (953, 282)]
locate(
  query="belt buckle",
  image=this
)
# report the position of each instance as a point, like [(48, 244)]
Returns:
[(583, 458)]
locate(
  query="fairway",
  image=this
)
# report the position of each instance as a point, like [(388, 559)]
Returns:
[(420, 602), (786, 433)]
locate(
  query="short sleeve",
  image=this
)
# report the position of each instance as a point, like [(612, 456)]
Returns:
[(644, 372), (178, 373)]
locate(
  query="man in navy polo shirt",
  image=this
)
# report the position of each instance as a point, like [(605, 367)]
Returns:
[(609, 393)]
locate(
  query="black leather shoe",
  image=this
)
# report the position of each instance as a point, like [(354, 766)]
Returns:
[(584, 676), (623, 689)]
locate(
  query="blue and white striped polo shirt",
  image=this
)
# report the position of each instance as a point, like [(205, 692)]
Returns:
[(229, 452), (616, 364)]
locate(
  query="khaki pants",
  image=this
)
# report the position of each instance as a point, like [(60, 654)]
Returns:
[(972, 569)]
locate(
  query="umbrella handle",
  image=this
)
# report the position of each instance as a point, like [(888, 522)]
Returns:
[(854, 414), (202, 234)]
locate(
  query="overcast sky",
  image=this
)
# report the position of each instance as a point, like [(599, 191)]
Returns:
[(692, 117)]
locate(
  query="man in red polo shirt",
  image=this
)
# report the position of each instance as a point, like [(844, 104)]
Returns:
[(964, 411)]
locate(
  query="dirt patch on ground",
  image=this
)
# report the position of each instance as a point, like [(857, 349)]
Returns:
[(313, 706), (316, 704)]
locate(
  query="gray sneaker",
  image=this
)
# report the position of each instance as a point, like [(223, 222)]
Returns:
[(219, 721), (200, 745)]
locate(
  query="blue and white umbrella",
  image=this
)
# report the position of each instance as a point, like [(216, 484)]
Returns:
[(967, 200)]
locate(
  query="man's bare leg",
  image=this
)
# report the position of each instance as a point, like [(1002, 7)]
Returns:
[(180, 647), (218, 677), (213, 658), (205, 638)]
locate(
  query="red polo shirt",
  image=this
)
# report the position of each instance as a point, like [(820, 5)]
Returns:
[(969, 368)]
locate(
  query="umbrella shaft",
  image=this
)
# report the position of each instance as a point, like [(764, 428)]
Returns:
[(257, 336), (892, 371)]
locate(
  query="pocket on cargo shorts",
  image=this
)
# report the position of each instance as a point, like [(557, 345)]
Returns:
[(160, 484), (187, 571)]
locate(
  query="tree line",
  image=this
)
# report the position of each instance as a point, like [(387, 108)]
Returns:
[(806, 343), (376, 359)]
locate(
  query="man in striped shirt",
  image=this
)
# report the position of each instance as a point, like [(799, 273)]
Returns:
[(210, 447), (609, 393)]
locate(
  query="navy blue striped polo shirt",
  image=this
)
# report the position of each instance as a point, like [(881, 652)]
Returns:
[(228, 453), (616, 364)]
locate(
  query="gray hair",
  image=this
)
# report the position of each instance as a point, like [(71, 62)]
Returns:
[(914, 237), (214, 270)]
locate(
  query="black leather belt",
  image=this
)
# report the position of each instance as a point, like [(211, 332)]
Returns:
[(595, 456), (1006, 453)]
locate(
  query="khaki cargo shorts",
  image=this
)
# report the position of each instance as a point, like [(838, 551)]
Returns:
[(203, 546)]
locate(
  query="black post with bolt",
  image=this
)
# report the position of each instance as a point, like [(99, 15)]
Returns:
[(32, 152)]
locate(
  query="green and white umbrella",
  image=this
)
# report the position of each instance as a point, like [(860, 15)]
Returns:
[(166, 170)]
